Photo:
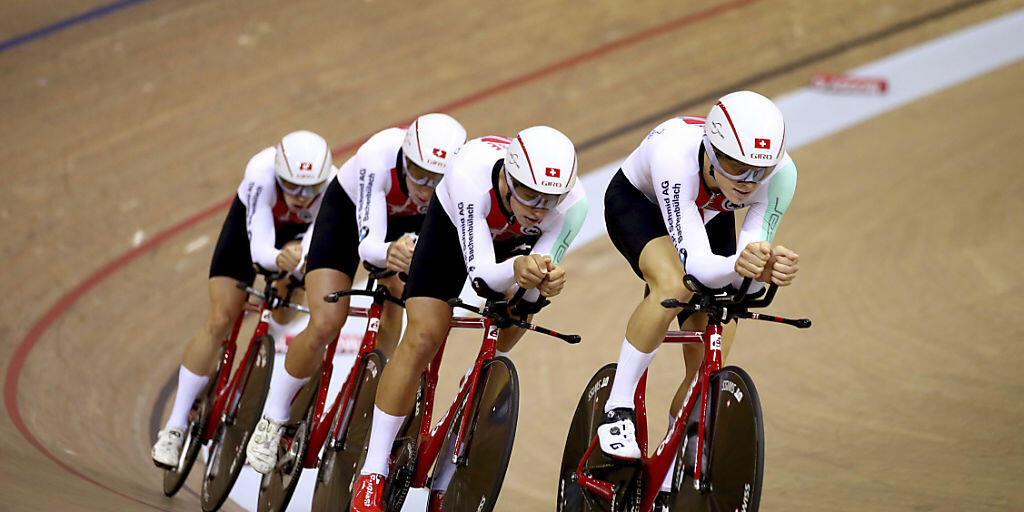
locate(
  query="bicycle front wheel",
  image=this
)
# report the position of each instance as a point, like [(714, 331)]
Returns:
[(487, 444), (582, 431), (346, 447), (227, 451), (735, 460)]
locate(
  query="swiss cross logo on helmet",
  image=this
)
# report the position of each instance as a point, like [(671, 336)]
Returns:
[(552, 172), (305, 166), (440, 153), (763, 143)]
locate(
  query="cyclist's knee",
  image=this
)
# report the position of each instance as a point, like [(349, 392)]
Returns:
[(219, 321), (325, 327), (662, 289), (422, 340)]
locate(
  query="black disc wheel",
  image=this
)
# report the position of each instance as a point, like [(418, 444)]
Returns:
[(227, 449), (735, 452), (404, 452), (346, 445), (582, 431), (175, 478), (487, 443), (276, 488)]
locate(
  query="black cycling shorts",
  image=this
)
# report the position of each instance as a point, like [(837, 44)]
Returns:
[(633, 221), (438, 269), (232, 257), (335, 241)]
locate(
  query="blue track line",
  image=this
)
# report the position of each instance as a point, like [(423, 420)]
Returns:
[(63, 24)]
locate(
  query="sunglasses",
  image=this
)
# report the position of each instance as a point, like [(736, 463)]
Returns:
[(530, 197), (421, 176), (294, 189), (746, 173)]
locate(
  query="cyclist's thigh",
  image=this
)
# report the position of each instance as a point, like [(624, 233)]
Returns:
[(399, 225), (428, 316), (335, 240), (231, 256), (632, 221), (226, 301), (437, 269), (662, 269)]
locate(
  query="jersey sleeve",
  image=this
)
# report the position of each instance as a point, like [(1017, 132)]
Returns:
[(764, 216), (372, 181), (555, 241), (258, 195), (676, 191), (477, 245)]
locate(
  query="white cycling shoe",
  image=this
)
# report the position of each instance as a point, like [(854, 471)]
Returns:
[(617, 434), (261, 450), (167, 450)]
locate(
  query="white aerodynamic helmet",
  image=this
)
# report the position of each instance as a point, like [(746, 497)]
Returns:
[(431, 140), (303, 158), (748, 127), (542, 159)]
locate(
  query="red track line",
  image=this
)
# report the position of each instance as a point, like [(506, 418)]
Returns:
[(64, 303), (571, 61)]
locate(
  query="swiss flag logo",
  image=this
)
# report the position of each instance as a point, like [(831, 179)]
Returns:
[(305, 166), (763, 143), (552, 172), (440, 153)]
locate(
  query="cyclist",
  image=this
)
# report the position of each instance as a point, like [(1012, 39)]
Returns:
[(277, 200), (506, 213), (669, 211), (371, 212)]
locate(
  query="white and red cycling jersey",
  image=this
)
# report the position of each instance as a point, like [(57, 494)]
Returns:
[(265, 209), (666, 169), (372, 179), (468, 195)]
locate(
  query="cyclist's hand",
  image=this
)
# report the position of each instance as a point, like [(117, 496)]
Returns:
[(530, 269), (783, 267), (753, 259), (553, 282), (400, 254), (289, 256)]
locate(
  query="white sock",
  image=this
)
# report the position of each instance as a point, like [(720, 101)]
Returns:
[(632, 365), (189, 387), (498, 353), (666, 484), (283, 389), (382, 438)]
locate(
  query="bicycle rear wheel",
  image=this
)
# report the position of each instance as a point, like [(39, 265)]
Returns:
[(582, 431), (227, 449), (735, 462), (342, 458), (484, 457), (276, 488), (404, 453), (175, 478)]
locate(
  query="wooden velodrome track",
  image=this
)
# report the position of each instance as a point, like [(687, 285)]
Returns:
[(123, 136)]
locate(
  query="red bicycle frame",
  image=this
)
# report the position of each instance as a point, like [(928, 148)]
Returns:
[(226, 399), (430, 440), (655, 467), (321, 426)]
